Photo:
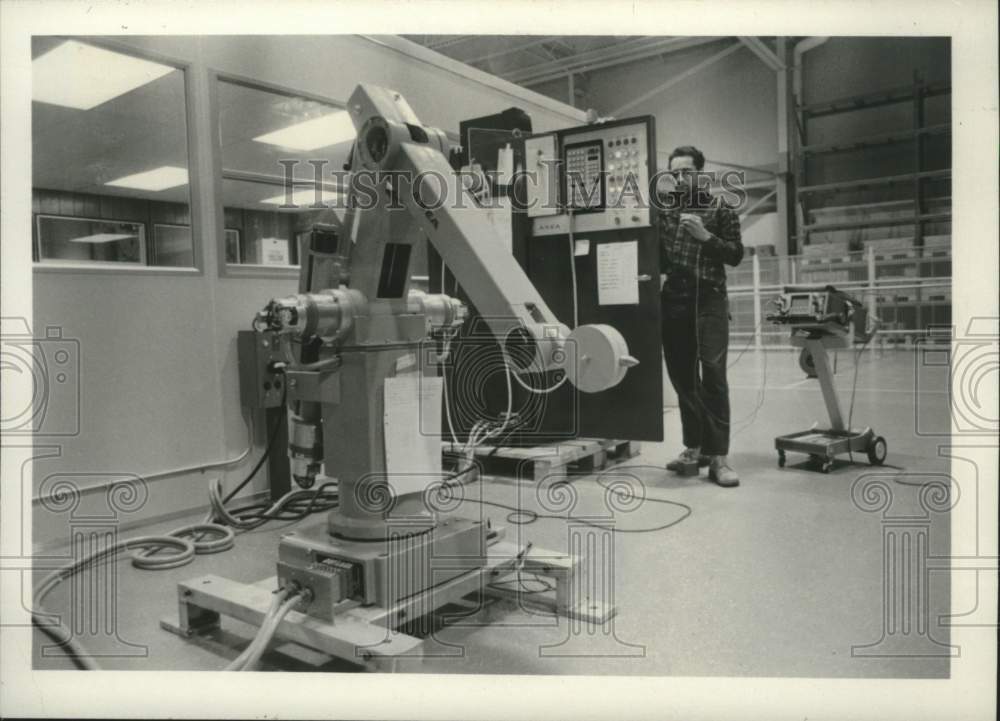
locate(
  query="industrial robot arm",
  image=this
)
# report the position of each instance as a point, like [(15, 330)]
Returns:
[(358, 318), (393, 145)]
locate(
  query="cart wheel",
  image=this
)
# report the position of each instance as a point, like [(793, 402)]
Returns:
[(827, 465), (781, 459), (806, 363), (877, 450)]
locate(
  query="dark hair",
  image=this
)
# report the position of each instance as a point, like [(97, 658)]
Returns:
[(689, 151)]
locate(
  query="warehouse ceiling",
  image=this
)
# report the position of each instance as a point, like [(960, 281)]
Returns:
[(533, 59)]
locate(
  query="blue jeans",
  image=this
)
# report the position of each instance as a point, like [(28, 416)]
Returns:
[(695, 342)]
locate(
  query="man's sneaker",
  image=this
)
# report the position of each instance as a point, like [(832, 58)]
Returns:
[(688, 457), (720, 472)]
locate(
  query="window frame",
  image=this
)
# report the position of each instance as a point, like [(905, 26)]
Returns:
[(57, 263), (152, 238), (195, 207)]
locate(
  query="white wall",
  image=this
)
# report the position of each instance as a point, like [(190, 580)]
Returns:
[(159, 383)]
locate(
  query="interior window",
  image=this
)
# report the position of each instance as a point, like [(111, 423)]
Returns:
[(269, 139), (110, 158)]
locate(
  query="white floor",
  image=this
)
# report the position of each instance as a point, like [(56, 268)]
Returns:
[(782, 576)]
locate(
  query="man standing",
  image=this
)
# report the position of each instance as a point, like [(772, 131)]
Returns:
[(699, 236)]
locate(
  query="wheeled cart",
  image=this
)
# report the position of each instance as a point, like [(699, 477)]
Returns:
[(823, 445)]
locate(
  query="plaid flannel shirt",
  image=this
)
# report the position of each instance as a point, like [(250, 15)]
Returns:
[(682, 256)]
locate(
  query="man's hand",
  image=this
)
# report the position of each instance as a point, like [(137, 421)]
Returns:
[(693, 225)]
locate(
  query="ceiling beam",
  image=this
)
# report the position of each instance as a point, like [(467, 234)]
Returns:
[(506, 51), (676, 79), (605, 58), (756, 204), (763, 52), (560, 65), (449, 42)]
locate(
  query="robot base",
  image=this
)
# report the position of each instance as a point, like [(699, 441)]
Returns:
[(368, 635), (338, 571)]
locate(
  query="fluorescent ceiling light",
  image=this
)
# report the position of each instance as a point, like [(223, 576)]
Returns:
[(81, 76), (312, 134), (167, 176), (303, 197), (103, 238)]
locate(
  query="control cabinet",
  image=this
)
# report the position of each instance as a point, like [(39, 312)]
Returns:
[(591, 178), (582, 211)]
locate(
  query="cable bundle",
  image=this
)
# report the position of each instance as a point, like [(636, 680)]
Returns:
[(293, 506), (284, 601)]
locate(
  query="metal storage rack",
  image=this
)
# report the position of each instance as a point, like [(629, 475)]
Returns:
[(917, 177)]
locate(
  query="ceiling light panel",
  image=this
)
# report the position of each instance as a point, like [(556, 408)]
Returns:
[(81, 76), (319, 132), (162, 178), (303, 197), (103, 238)]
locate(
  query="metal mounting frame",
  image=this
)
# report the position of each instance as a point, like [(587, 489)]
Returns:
[(367, 635)]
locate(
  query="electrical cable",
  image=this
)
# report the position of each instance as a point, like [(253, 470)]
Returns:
[(283, 602), (277, 599), (854, 383), (750, 340), (545, 585), (572, 270), (262, 645), (57, 631), (447, 408), (854, 388), (267, 450), (541, 391), (761, 394), (535, 515), (293, 506)]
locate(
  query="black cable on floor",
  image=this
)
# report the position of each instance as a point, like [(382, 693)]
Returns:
[(535, 515)]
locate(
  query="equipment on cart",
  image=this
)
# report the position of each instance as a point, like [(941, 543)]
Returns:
[(822, 318)]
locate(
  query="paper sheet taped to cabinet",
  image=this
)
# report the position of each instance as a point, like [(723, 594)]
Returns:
[(618, 273)]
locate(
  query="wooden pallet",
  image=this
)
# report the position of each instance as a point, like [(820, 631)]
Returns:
[(552, 463)]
